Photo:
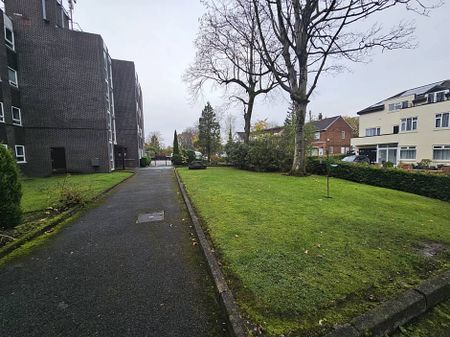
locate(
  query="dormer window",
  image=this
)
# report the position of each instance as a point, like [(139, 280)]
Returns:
[(398, 105), (438, 96)]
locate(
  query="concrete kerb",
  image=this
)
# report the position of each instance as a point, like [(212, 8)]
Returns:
[(9, 248), (235, 321), (392, 314)]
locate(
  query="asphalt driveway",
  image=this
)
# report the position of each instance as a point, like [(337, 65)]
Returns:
[(106, 275)]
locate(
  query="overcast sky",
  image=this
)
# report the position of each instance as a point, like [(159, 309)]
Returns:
[(158, 36)]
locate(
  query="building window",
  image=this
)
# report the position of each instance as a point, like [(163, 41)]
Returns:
[(12, 74), (441, 152), (317, 136), (409, 124), (2, 113), (370, 132), (408, 152), (436, 96), (342, 134), (442, 120), (9, 38), (20, 154), (398, 106), (16, 115)]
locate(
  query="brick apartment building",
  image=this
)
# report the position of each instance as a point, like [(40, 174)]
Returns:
[(59, 108), (128, 105)]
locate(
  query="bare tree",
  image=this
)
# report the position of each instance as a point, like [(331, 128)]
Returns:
[(299, 40), (188, 138), (227, 55)]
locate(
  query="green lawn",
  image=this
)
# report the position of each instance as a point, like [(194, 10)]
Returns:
[(299, 262), (40, 193)]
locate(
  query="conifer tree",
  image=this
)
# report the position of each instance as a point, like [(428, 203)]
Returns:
[(209, 131)]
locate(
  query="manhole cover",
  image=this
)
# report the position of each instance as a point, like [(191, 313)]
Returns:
[(150, 217)]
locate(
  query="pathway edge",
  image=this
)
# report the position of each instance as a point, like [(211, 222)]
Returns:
[(235, 321)]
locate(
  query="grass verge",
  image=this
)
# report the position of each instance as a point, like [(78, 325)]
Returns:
[(300, 263), (41, 209)]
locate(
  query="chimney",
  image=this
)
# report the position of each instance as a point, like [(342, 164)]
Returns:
[(320, 116)]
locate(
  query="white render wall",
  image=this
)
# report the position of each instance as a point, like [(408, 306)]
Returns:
[(424, 138)]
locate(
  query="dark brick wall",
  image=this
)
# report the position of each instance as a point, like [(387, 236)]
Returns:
[(128, 116), (63, 91), (9, 134)]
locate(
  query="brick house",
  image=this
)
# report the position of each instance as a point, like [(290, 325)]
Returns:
[(331, 134), (59, 110)]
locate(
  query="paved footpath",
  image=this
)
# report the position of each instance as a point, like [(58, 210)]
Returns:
[(106, 275)]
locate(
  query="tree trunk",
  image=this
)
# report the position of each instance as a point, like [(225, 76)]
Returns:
[(248, 117), (299, 163)]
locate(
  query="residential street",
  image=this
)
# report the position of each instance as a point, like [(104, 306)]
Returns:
[(107, 275)]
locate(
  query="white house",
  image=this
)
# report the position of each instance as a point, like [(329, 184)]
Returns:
[(408, 127)]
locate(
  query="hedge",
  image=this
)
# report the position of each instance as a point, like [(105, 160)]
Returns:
[(428, 185), (10, 190)]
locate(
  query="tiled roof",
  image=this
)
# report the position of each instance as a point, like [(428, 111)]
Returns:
[(325, 123)]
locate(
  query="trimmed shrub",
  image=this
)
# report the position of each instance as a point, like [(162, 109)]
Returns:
[(145, 161), (177, 159), (428, 185), (190, 155), (10, 190)]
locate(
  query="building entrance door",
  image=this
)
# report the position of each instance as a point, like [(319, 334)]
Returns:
[(58, 157)]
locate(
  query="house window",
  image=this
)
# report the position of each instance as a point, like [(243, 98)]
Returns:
[(409, 124), (398, 106), (408, 152), (20, 154), (9, 38), (441, 152), (12, 74), (344, 150), (2, 113), (370, 132), (317, 136), (395, 129), (331, 150), (442, 120), (342, 134), (16, 115), (436, 96)]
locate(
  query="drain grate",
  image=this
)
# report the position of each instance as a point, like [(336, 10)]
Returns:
[(150, 217)]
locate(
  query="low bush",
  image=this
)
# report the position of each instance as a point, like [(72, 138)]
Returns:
[(429, 185), (189, 155), (267, 153), (10, 190), (145, 161), (178, 159)]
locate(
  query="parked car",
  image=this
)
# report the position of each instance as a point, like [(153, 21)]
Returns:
[(357, 159)]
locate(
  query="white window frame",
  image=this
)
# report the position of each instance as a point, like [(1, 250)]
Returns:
[(439, 118), (16, 121), (441, 148), (2, 113), (10, 44), (408, 149), (317, 135), (16, 83), (343, 135), (23, 156), (373, 134), (404, 124)]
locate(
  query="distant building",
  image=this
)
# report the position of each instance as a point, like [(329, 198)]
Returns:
[(128, 105), (408, 127), (331, 135), (58, 103), (275, 131)]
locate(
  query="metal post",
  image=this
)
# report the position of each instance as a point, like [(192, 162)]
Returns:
[(44, 10)]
